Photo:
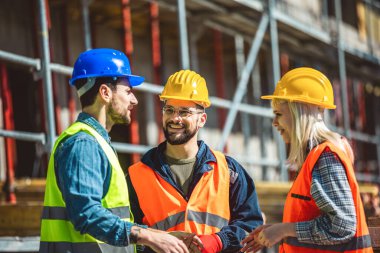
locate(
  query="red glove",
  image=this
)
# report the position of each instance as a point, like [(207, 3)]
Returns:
[(211, 243)]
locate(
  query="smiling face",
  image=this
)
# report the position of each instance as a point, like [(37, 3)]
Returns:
[(282, 120), (122, 102), (180, 130)]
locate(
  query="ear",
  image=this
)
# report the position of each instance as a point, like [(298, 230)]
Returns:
[(105, 93), (202, 120)]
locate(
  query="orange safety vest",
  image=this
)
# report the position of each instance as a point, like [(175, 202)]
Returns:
[(300, 206), (164, 208)]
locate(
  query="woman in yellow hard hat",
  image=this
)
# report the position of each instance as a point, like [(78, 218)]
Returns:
[(323, 211)]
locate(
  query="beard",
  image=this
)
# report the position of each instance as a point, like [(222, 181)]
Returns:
[(117, 118), (176, 138)]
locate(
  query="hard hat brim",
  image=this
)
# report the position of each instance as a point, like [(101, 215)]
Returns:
[(306, 101), (204, 104), (133, 80)]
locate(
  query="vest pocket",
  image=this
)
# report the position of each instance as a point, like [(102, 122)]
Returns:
[(297, 196)]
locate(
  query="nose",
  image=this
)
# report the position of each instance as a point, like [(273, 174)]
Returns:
[(275, 122), (134, 100), (176, 117)]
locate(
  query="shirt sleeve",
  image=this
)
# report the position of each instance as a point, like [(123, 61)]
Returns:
[(83, 176), (332, 194), (244, 208)]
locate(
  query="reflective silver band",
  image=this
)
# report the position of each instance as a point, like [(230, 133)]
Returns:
[(207, 218), (60, 213), (198, 217), (170, 221)]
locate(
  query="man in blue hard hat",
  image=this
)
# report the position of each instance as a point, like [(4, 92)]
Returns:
[(86, 205)]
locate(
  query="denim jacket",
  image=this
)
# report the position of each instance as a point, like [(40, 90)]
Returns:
[(244, 206), (83, 175)]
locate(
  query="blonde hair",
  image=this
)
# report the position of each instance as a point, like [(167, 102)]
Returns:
[(309, 130)]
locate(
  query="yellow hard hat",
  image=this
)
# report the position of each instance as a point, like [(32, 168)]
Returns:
[(305, 85), (186, 85)]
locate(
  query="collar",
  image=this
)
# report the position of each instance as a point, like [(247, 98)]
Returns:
[(155, 158), (92, 122)]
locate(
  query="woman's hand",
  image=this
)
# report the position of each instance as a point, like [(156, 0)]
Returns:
[(268, 235), (251, 243), (275, 233)]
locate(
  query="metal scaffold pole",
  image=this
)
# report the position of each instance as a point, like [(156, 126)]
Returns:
[(276, 78), (46, 75), (86, 24), (242, 85), (182, 26), (342, 68)]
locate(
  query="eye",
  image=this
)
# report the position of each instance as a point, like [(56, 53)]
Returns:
[(168, 110), (184, 113)]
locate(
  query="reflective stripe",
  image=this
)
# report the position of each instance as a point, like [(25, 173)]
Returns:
[(93, 247), (170, 221), (198, 217), (207, 218), (300, 197), (54, 213), (354, 244), (59, 213)]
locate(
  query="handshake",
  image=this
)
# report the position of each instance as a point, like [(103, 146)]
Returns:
[(178, 241)]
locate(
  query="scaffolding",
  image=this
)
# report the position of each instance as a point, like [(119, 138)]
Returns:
[(258, 23)]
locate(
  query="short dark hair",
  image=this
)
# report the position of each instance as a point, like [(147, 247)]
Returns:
[(88, 98)]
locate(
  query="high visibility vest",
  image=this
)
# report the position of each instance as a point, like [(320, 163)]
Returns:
[(300, 206), (207, 210), (58, 234)]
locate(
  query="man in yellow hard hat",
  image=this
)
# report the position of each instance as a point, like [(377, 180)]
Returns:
[(185, 185)]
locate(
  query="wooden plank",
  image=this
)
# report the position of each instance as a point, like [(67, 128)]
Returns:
[(20, 219)]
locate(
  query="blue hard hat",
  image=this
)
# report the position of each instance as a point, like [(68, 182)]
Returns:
[(104, 62)]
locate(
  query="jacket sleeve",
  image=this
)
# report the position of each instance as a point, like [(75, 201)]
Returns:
[(244, 208)]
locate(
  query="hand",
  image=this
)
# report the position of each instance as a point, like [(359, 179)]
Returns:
[(251, 243), (161, 242), (193, 243), (273, 234)]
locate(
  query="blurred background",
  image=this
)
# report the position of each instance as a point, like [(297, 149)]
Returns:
[(241, 48)]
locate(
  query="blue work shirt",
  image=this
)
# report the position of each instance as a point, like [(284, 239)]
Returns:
[(244, 206), (83, 175)]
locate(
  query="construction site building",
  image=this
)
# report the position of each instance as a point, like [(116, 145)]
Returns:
[(241, 47)]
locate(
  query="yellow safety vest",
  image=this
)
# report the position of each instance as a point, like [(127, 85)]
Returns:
[(58, 234)]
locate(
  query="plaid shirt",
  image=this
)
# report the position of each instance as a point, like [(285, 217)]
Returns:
[(332, 194)]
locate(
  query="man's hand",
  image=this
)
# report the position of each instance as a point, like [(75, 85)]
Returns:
[(192, 241), (159, 241)]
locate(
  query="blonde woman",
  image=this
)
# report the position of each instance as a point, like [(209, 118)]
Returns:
[(323, 211)]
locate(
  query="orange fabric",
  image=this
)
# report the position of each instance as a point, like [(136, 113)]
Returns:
[(159, 200), (300, 206)]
